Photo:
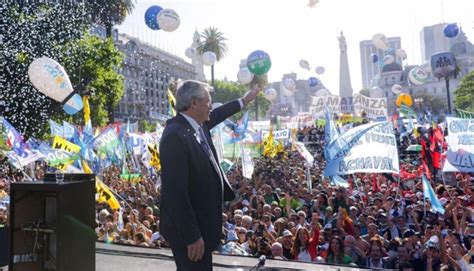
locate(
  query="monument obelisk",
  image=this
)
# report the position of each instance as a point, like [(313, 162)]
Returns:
[(345, 87)]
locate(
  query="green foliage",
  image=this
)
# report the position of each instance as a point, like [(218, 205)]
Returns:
[(434, 104), (214, 41), (109, 12), (465, 93), (365, 92), (93, 63), (145, 126), (227, 91)]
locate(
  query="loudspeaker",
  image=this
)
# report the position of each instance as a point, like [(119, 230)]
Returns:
[(52, 225)]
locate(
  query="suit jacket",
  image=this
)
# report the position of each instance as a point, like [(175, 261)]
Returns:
[(191, 190)]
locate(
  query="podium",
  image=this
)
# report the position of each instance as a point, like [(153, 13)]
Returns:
[(52, 225)]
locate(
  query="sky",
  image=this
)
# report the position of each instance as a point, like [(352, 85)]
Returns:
[(289, 30)]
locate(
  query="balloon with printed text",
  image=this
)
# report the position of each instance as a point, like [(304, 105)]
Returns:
[(259, 62)]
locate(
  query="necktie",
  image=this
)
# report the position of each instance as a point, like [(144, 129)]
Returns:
[(208, 150)]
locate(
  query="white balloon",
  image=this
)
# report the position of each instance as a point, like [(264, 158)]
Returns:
[(190, 52), (388, 59), (401, 53), (320, 70), (286, 92), (397, 89), (380, 41), (304, 64), (376, 92), (245, 76), (417, 76), (312, 3), (322, 92), (209, 58), (49, 77), (289, 84), (168, 20), (270, 94)]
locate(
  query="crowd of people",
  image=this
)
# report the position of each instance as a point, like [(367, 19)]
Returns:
[(375, 220)]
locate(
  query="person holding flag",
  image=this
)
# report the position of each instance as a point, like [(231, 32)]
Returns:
[(194, 186)]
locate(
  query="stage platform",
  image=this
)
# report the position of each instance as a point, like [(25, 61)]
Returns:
[(127, 258)]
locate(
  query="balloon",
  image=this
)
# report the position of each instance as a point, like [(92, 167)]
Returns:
[(245, 76), (286, 92), (401, 53), (151, 15), (190, 52), (312, 3), (270, 94), (313, 81), (417, 76), (304, 64), (320, 70), (374, 58), (405, 99), (380, 41), (209, 58), (443, 64), (451, 30), (259, 62), (322, 92), (388, 59), (289, 84), (168, 20), (397, 89), (376, 92), (73, 105)]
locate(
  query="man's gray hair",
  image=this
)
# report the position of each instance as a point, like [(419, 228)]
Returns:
[(188, 90)]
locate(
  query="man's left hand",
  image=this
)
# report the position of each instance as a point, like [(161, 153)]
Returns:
[(251, 94)]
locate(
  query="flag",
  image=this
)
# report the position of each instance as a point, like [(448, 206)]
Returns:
[(240, 129), (171, 104), (69, 130), (14, 138), (269, 147), (300, 147), (247, 163), (103, 193), (429, 193), (330, 132), (338, 181), (86, 109), (56, 128), (27, 157), (155, 156)]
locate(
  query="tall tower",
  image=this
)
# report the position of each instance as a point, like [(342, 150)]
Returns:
[(345, 87), (197, 60)]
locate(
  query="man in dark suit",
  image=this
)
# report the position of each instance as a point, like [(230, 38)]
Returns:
[(194, 186)]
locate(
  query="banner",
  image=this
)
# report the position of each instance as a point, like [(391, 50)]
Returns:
[(460, 139), (259, 125), (464, 114), (27, 157), (59, 158), (62, 144), (373, 107), (277, 135), (369, 148), (300, 147), (107, 143)]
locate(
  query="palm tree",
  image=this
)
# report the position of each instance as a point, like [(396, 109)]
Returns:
[(214, 41), (109, 12)]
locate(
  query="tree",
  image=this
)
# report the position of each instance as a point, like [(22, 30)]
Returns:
[(31, 30), (465, 93), (214, 41), (93, 63), (434, 104), (365, 92), (109, 12), (228, 91)]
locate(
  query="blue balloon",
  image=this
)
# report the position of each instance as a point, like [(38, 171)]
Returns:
[(374, 57), (451, 30), (313, 81), (150, 17)]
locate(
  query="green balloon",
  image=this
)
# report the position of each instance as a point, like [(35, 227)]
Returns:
[(258, 62)]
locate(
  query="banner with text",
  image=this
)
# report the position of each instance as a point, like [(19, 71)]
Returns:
[(277, 135), (367, 148), (373, 107), (460, 154)]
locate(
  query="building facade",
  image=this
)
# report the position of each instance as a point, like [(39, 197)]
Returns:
[(147, 71), (369, 69)]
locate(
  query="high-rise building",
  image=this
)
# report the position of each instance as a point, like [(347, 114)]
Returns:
[(369, 69), (433, 41), (147, 70)]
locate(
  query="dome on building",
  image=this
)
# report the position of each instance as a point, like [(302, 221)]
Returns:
[(392, 67)]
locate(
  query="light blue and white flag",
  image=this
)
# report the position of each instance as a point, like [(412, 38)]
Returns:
[(338, 181), (56, 128), (429, 193), (69, 130), (369, 148)]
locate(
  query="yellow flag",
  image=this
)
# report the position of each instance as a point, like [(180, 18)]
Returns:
[(171, 103), (269, 148), (103, 192), (87, 110), (62, 144), (155, 156)]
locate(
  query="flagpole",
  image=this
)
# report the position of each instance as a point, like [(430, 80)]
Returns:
[(424, 198), (308, 178)]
